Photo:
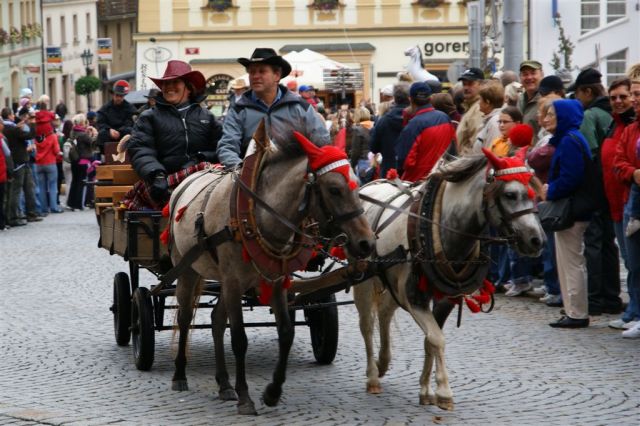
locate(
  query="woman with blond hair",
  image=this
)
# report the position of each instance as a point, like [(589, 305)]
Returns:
[(359, 150)]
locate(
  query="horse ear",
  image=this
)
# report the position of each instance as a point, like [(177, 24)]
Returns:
[(497, 162), (260, 136), (308, 146)]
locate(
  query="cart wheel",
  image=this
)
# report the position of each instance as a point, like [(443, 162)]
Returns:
[(142, 329), (121, 308), (323, 327)]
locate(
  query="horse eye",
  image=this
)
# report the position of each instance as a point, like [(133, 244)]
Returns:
[(334, 190), (511, 196)]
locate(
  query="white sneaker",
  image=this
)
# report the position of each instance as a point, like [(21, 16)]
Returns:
[(632, 227), (518, 289), (539, 291), (618, 324), (632, 333), (630, 324)]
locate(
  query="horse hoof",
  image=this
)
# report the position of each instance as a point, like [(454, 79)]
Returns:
[(374, 389), (247, 409), (445, 404), (428, 399), (179, 385), (271, 395), (227, 395), (382, 368)]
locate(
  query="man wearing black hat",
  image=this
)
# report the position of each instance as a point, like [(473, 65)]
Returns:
[(115, 118), (284, 111), (425, 138), (600, 251), (471, 122), (530, 76)]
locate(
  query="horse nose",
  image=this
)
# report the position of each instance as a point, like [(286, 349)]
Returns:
[(365, 247), (536, 242)]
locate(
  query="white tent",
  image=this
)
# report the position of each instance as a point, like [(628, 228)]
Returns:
[(307, 67)]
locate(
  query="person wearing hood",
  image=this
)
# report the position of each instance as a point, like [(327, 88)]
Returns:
[(267, 99), (177, 133), (47, 152), (601, 251), (568, 166), (115, 118)]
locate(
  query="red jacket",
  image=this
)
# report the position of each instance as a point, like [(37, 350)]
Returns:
[(614, 189), (47, 150), (3, 163), (626, 160)]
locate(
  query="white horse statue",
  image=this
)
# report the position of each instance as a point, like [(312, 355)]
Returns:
[(415, 66), (458, 201)]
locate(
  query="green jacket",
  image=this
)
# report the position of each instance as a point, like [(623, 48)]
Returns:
[(596, 123), (529, 109)]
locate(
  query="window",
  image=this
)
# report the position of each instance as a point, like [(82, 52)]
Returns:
[(118, 36), (49, 33), (132, 31), (11, 23), (105, 31), (75, 29), (63, 31), (88, 20), (616, 9), (616, 65), (589, 15)]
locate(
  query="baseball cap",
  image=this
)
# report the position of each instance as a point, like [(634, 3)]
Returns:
[(305, 88), (551, 83), (588, 76), (121, 87), (420, 91), (472, 74), (530, 64)]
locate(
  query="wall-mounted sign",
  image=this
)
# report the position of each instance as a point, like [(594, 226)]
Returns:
[(191, 50), (105, 50), (54, 59)]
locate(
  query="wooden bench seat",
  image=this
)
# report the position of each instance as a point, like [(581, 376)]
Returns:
[(113, 183)]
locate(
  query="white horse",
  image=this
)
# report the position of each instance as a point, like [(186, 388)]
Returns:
[(466, 202), (415, 67)]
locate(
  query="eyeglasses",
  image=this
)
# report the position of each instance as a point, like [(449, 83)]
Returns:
[(616, 97), (636, 95), (505, 121)]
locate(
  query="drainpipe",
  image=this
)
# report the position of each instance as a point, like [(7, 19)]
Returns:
[(43, 73), (513, 11)]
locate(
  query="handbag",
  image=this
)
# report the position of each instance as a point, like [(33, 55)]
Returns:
[(555, 215)]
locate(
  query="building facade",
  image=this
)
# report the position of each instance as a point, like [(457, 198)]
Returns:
[(20, 50), (70, 25), (118, 20), (606, 34), (367, 35)]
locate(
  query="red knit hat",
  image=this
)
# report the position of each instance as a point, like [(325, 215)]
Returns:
[(326, 159), (510, 168), (521, 135)]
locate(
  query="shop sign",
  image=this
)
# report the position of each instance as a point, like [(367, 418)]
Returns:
[(105, 50), (191, 50), (54, 59), (448, 48)]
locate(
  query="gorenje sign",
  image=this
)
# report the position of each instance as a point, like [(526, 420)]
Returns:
[(446, 47)]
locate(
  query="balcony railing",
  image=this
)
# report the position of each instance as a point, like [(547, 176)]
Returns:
[(116, 8)]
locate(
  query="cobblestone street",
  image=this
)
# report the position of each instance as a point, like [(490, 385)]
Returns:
[(61, 365)]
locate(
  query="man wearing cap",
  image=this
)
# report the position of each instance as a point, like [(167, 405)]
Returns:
[(425, 138), (282, 110), (239, 86), (530, 76), (177, 133), (115, 118), (600, 250), (551, 84), (472, 121), (308, 93)]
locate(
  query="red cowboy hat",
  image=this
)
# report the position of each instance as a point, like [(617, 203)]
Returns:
[(179, 69)]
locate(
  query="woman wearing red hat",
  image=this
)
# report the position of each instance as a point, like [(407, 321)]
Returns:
[(47, 151), (177, 133)]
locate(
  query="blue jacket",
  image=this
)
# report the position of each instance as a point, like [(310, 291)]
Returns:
[(567, 164), (384, 135)]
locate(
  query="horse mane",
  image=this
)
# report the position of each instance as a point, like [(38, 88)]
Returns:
[(461, 168)]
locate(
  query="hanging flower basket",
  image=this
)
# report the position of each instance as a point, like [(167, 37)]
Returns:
[(428, 3), (219, 5), (4, 37), (325, 5), (15, 36)]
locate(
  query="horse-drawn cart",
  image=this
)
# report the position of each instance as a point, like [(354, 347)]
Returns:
[(138, 312)]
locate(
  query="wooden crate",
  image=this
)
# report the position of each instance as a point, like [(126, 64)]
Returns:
[(105, 171), (107, 221), (144, 236)]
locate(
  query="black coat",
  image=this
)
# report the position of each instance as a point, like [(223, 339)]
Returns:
[(17, 142), (165, 139), (384, 135), (117, 117)]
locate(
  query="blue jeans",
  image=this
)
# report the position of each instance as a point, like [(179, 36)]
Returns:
[(48, 186), (632, 247), (520, 267), (549, 266)]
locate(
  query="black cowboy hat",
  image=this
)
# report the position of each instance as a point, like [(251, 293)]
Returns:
[(265, 55)]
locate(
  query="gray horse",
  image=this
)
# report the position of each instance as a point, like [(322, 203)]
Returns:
[(466, 212), (285, 183)]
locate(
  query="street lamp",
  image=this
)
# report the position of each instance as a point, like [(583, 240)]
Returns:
[(87, 58)]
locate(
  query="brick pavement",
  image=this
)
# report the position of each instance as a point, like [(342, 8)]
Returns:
[(60, 363)]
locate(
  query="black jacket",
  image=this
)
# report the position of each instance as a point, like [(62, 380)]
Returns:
[(165, 139), (384, 135), (117, 117), (17, 141)]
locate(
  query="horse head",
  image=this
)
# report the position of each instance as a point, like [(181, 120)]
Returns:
[(414, 52), (337, 203), (510, 203)]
